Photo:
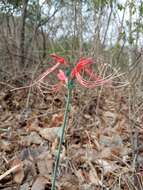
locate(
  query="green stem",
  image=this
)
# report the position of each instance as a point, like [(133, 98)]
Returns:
[(61, 139)]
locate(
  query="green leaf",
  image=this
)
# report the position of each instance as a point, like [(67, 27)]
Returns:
[(141, 9), (131, 39), (120, 7)]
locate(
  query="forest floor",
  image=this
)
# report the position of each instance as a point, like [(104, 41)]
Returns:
[(102, 149)]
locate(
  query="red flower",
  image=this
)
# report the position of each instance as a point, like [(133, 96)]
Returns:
[(94, 79), (40, 81), (83, 62), (44, 85), (58, 59), (82, 67)]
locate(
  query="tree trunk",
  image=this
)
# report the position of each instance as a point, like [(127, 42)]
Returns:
[(22, 34)]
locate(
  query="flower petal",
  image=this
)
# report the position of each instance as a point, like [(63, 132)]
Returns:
[(92, 75), (61, 75), (58, 59), (81, 65)]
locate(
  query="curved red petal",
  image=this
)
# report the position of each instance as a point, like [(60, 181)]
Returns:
[(92, 75), (58, 58), (83, 62), (62, 77), (81, 65)]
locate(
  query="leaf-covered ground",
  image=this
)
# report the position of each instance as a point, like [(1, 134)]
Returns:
[(102, 148)]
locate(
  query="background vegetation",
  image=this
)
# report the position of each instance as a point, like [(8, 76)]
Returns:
[(30, 30)]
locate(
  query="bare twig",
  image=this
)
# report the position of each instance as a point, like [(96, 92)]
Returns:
[(11, 170)]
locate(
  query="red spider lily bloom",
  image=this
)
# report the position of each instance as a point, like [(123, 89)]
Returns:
[(40, 81), (59, 60), (56, 87), (84, 64)]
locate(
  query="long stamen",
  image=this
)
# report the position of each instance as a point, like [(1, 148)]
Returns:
[(89, 84), (47, 72), (99, 82), (43, 75)]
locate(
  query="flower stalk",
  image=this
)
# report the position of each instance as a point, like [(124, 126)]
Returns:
[(62, 136)]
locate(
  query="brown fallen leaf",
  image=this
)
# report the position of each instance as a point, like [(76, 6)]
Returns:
[(110, 117), (19, 172), (111, 141), (107, 166), (93, 178), (69, 182), (33, 138), (50, 133), (57, 120), (5, 145), (33, 125), (40, 183), (45, 164), (93, 175), (25, 186)]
